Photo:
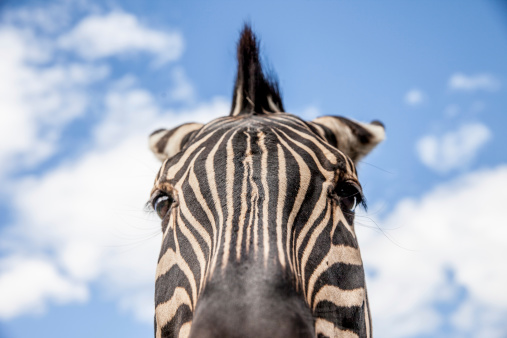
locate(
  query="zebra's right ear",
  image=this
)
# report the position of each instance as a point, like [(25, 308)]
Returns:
[(355, 139), (165, 143)]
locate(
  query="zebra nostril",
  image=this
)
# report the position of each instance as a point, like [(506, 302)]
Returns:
[(221, 316)]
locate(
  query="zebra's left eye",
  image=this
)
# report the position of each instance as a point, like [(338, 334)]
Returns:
[(350, 196), (162, 204)]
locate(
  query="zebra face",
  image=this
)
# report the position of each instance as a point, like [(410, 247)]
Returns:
[(257, 212)]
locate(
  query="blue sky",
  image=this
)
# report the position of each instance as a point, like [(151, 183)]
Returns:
[(83, 83)]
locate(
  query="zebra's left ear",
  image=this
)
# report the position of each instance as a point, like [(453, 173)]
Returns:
[(166, 143), (355, 139)]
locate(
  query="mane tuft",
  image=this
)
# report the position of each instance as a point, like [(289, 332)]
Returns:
[(254, 92)]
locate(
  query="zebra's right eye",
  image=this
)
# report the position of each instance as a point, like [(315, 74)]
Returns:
[(162, 204), (350, 196)]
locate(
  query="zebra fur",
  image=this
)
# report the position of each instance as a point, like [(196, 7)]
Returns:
[(258, 237)]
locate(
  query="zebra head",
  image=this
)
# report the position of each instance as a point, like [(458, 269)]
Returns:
[(257, 214)]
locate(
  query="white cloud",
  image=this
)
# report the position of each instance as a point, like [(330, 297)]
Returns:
[(414, 97), (82, 222), (455, 149), (456, 226), (90, 212), (99, 36), (131, 109), (50, 17), (308, 113), (36, 102), (472, 312), (183, 89), (40, 93), (26, 285), (462, 82)]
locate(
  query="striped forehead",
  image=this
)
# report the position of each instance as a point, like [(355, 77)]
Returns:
[(284, 129)]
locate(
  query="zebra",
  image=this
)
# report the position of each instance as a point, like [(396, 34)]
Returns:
[(257, 215)]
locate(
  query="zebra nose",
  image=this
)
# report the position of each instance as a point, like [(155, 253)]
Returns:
[(281, 329), (273, 321)]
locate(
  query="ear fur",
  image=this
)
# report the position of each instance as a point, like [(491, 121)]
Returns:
[(166, 143), (355, 139)]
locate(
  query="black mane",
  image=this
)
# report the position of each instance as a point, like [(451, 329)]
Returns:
[(254, 92)]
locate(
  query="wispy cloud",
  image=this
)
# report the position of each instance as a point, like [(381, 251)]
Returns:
[(310, 112), (50, 16), (451, 110), (90, 215), (462, 82), (99, 36), (40, 93), (455, 149), (414, 97), (448, 240), (183, 91), (38, 96), (86, 222), (28, 284)]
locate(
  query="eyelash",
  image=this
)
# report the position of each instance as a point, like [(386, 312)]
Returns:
[(156, 203), (347, 189)]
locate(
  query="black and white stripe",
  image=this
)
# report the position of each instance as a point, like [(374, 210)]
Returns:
[(257, 241)]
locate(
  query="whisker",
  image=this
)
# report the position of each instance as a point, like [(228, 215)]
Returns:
[(374, 166), (382, 231)]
